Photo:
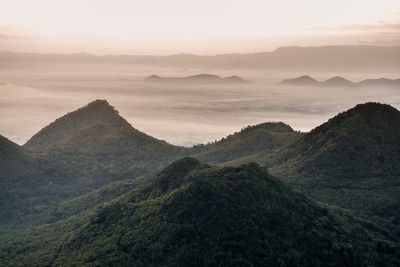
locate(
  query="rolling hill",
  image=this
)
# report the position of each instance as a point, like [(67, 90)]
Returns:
[(91, 190), (79, 152), (304, 80), (264, 137), (338, 81), (351, 161), (199, 79), (199, 215)]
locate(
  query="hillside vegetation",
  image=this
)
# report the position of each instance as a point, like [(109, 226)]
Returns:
[(195, 214), (264, 137), (352, 161)]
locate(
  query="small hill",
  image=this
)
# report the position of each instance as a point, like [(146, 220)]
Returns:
[(304, 80), (352, 161), (250, 140), (234, 79), (199, 78), (379, 82), (208, 216), (337, 81)]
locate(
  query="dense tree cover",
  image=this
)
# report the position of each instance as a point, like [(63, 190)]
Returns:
[(93, 146), (213, 216), (264, 137), (353, 161), (73, 176), (79, 152), (65, 126)]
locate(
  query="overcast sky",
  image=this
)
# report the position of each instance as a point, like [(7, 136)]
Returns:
[(203, 27)]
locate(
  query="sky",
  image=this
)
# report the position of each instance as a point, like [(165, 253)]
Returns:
[(187, 26)]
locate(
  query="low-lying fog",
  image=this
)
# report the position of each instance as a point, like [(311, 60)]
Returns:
[(182, 114)]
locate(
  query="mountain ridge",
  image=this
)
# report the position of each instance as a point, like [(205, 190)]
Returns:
[(338, 81), (328, 58), (198, 78), (268, 136)]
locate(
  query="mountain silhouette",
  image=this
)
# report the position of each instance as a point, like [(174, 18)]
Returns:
[(304, 80), (379, 82), (199, 78), (338, 81)]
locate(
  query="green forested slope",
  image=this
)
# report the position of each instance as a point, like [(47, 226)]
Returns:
[(265, 137), (79, 152), (352, 161), (193, 214)]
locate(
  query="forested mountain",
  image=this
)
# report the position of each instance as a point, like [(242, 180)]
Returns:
[(19, 172), (198, 215), (93, 146), (353, 161), (264, 137), (96, 140), (14, 159), (89, 189), (77, 153)]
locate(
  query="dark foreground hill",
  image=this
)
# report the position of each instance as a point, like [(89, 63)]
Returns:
[(15, 161), (353, 161), (191, 214)]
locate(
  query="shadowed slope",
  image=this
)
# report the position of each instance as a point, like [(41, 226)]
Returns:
[(353, 161), (207, 216)]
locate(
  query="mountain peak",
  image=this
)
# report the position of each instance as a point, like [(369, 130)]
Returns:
[(153, 77), (366, 135), (302, 80), (198, 78), (373, 112), (273, 127), (97, 111), (337, 81)]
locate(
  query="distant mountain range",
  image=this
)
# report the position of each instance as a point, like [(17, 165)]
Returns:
[(199, 78), (326, 58), (91, 190), (337, 81)]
